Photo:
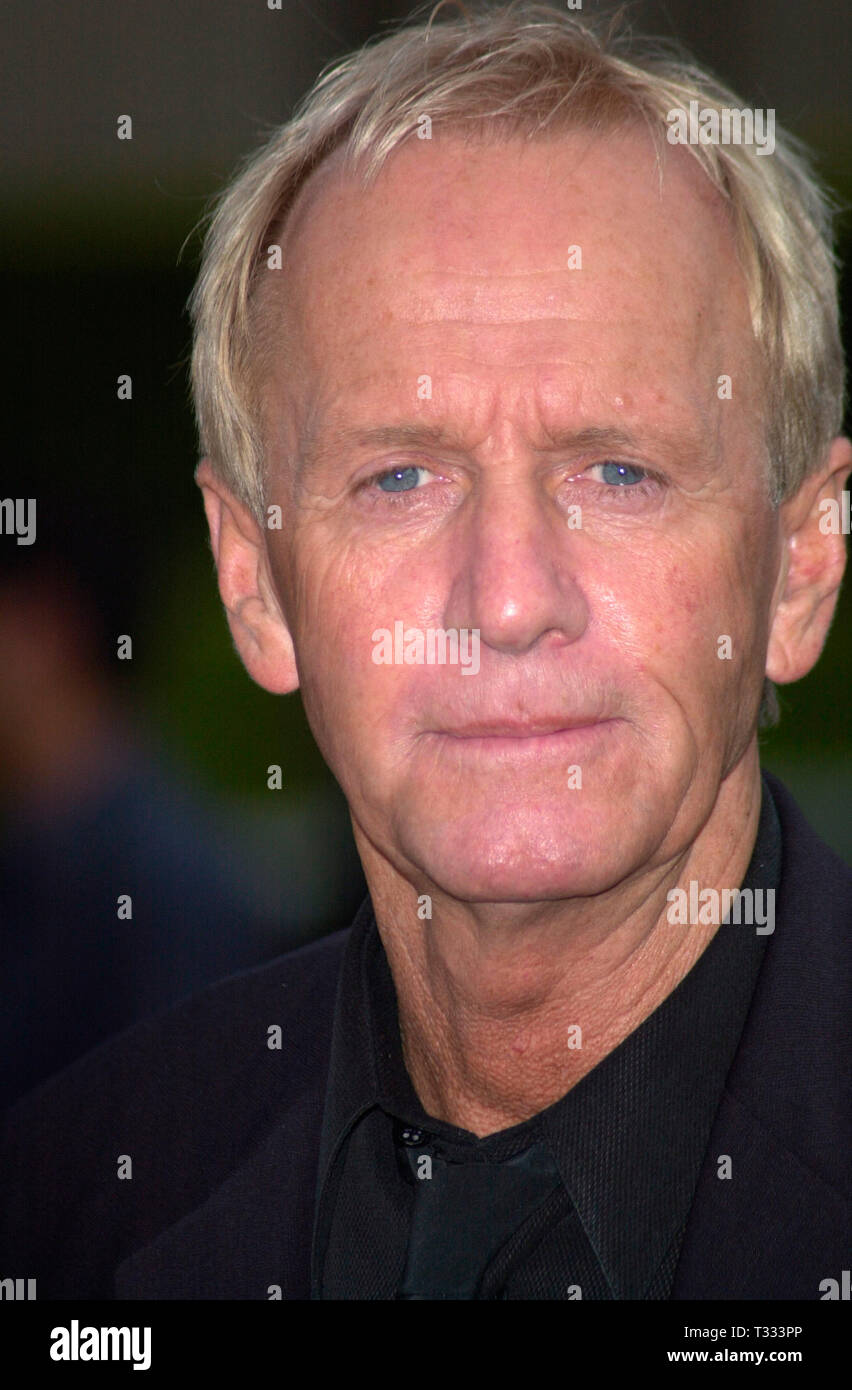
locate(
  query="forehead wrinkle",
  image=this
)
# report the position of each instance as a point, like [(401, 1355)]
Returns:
[(342, 438), (417, 435), (444, 270), (317, 197)]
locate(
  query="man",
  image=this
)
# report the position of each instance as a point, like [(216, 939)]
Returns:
[(520, 421)]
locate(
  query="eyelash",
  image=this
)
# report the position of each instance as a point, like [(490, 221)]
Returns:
[(371, 484), (648, 485)]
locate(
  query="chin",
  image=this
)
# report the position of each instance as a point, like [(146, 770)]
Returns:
[(531, 858)]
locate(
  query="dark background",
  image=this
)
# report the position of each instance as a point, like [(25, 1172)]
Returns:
[(100, 256)]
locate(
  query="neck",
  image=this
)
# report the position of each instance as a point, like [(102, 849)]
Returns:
[(504, 1007)]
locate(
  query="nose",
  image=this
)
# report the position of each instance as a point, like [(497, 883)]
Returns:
[(516, 568)]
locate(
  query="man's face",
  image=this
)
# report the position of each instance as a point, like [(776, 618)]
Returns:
[(460, 381)]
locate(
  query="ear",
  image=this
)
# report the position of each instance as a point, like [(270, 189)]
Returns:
[(258, 626), (814, 558)]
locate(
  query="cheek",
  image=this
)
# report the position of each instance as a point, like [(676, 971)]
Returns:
[(344, 596), (653, 605), (706, 616), (349, 588), (684, 606), (675, 610), (332, 586)]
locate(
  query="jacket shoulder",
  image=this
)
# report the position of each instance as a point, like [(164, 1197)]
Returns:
[(120, 1145), (793, 1064)]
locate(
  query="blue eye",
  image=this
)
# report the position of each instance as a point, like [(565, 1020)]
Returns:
[(399, 480), (622, 474)]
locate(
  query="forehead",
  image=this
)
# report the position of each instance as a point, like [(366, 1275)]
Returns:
[(578, 251)]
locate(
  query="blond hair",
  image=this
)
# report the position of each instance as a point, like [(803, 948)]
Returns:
[(523, 70)]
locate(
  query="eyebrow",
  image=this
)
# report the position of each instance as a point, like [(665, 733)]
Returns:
[(381, 437), (419, 435)]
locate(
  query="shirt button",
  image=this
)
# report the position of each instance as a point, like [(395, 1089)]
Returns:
[(412, 1137)]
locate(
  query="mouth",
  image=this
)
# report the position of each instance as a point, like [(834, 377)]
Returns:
[(522, 728), (525, 739)]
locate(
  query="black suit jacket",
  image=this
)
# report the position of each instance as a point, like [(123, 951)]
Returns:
[(223, 1133)]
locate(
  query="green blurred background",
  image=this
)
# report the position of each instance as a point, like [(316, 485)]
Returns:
[(96, 282)]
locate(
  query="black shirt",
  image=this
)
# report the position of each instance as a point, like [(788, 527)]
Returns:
[(587, 1199)]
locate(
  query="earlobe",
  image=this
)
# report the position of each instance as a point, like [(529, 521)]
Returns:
[(812, 569), (255, 617)]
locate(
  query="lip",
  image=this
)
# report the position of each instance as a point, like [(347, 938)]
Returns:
[(508, 729), (528, 745)]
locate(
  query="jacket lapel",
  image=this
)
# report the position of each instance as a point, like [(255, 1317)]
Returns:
[(251, 1237), (766, 1231), (780, 1224)]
